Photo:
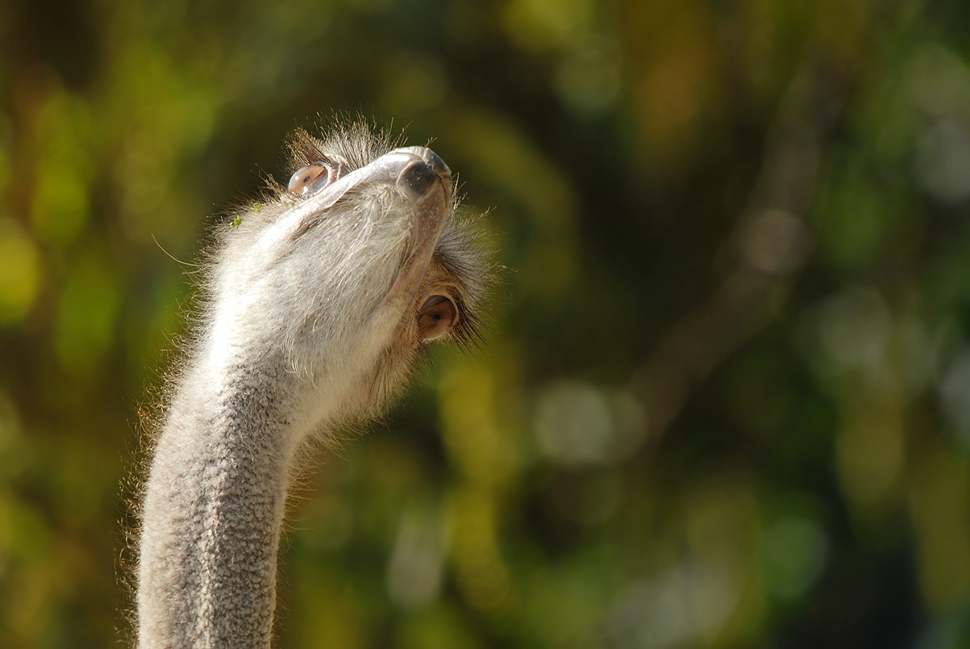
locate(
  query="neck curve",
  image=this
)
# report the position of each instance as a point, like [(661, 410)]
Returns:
[(214, 508)]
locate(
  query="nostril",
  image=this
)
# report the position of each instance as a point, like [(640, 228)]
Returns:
[(418, 177)]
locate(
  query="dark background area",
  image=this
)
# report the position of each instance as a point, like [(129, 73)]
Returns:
[(724, 394)]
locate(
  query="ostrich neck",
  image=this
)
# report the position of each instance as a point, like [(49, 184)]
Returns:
[(214, 507)]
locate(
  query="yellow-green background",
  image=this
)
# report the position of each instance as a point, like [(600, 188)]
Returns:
[(678, 433)]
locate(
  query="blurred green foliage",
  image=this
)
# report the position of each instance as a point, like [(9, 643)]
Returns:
[(725, 395)]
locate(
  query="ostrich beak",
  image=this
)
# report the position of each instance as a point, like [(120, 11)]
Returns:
[(426, 182), (423, 179)]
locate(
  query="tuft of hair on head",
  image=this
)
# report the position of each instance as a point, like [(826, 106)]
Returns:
[(355, 144)]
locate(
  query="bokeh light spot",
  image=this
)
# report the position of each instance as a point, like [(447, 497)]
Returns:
[(573, 423), (679, 608), (20, 272), (794, 551), (60, 206), (577, 424), (943, 161), (855, 326), (588, 79), (417, 561), (87, 311), (537, 25), (414, 83), (955, 395)]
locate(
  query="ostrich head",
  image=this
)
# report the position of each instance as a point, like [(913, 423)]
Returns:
[(352, 268)]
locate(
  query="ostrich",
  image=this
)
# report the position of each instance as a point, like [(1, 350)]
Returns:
[(316, 302)]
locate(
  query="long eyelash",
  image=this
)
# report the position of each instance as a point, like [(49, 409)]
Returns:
[(356, 145)]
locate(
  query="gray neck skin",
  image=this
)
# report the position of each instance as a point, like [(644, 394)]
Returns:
[(214, 510)]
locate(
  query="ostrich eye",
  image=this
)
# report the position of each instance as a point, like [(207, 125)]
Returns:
[(310, 178), (437, 317)]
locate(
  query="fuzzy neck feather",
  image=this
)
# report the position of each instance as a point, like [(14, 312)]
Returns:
[(214, 509)]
